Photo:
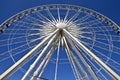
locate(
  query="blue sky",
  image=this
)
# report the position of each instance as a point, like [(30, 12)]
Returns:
[(109, 8)]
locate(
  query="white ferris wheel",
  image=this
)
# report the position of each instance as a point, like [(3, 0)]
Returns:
[(59, 42)]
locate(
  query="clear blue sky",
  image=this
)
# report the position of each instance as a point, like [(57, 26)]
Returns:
[(109, 8)]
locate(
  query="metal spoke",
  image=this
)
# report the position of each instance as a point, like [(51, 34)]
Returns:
[(74, 16), (52, 17), (67, 13), (58, 12)]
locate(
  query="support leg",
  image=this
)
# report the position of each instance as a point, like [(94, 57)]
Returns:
[(84, 61), (24, 59), (68, 52), (38, 58), (98, 61)]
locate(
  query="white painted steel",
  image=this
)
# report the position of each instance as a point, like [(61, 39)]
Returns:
[(68, 52), (93, 56), (17, 65), (84, 61), (38, 58)]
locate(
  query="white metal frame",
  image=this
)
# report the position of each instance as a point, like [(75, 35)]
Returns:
[(24, 59), (94, 57)]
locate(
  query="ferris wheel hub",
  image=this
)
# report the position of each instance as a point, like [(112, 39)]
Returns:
[(61, 25)]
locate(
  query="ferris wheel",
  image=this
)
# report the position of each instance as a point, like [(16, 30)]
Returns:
[(59, 42)]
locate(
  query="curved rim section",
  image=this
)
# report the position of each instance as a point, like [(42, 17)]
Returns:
[(29, 11)]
